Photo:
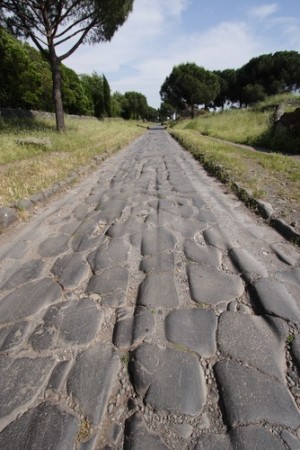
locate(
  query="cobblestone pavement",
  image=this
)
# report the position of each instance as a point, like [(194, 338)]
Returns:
[(148, 309)]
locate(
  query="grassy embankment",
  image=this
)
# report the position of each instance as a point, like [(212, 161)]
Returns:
[(33, 156), (271, 177)]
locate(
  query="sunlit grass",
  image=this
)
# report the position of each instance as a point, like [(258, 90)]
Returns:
[(264, 173), (251, 126), (27, 168)]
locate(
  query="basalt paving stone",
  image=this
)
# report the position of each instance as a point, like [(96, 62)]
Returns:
[(169, 380), (118, 230), (198, 202), (92, 379), (59, 375), (45, 427), (27, 272), (212, 286), (111, 253), (157, 240), (291, 276), (87, 227), (13, 336), (29, 299), (71, 270), (162, 262), (295, 347), (110, 215), (216, 237), (254, 340), (139, 437), (194, 329), (209, 256), (69, 322), (205, 215), (250, 397), (111, 285), (21, 381), (247, 265), (246, 438), (132, 329), (81, 211), (274, 298), (82, 243), (113, 203), (54, 246), (188, 227), (292, 442), (158, 291), (286, 253)]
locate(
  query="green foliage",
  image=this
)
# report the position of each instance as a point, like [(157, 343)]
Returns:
[(262, 76), (189, 85), (49, 24), (134, 105), (106, 97)]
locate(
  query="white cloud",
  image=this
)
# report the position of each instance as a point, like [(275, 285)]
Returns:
[(263, 11), (152, 41)]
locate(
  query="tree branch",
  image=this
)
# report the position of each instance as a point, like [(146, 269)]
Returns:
[(80, 40)]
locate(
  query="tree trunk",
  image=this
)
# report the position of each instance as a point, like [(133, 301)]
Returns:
[(56, 91), (192, 111)]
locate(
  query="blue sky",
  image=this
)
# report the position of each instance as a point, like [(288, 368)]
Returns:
[(215, 34)]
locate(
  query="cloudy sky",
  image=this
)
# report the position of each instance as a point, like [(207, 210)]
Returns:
[(215, 34)]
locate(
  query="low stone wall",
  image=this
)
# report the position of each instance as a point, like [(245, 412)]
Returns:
[(11, 113)]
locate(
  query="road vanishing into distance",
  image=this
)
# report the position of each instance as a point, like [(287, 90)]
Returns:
[(147, 308)]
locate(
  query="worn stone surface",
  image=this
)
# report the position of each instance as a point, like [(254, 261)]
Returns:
[(54, 246), (157, 240), (7, 216), (250, 396), (70, 270), (113, 324), (245, 438), (201, 254), (110, 254), (194, 329), (216, 237), (111, 284), (68, 322), (29, 299), (274, 298), (257, 341), (13, 336), (44, 427), (158, 291), (27, 272), (247, 265), (92, 378), (212, 286), (139, 437), (131, 329), (162, 262), (20, 382), (169, 380)]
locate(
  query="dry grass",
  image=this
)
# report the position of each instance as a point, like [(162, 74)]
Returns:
[(26, 168)]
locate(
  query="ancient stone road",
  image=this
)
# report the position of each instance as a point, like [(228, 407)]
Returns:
[(148, 309)]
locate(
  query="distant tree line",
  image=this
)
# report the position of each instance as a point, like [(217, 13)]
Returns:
[(189, 85), (26, 82)]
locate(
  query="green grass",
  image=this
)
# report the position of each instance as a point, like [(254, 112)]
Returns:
[(267, 175), (26, 169), (251, 126)]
